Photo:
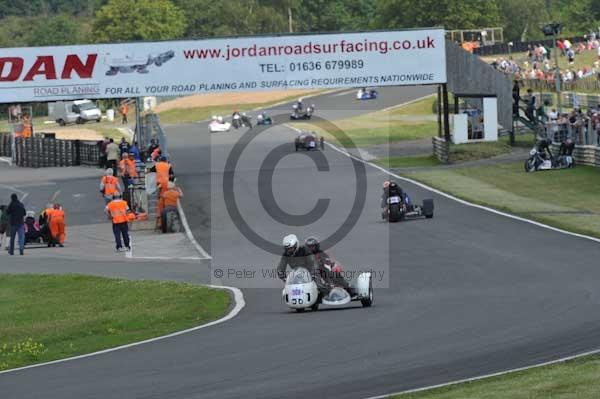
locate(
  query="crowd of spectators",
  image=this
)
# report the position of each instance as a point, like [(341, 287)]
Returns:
[(538, 64), (582, 127)]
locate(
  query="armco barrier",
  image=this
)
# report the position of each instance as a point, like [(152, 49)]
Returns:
[(583, 154), (441, 149)]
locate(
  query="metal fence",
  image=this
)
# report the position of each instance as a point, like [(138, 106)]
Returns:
[(504, 48), (589, 84), (582, 132)]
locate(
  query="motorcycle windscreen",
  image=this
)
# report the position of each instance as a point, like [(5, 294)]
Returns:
[(298, 276), (337, 296)]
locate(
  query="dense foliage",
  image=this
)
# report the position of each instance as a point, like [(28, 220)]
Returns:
[(48, 22)]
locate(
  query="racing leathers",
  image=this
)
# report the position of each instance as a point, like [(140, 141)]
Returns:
[(393, 191), (302, 258), (329, 272)]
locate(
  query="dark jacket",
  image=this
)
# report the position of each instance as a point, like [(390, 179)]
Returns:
[(16, 213), (300, 259), (391, 192)]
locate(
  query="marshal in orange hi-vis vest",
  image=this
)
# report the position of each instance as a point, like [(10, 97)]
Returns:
[(118, 211)]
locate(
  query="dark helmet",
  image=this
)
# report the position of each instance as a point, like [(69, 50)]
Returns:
[(313, 244), (162, 158), (116, 196), (393, 185)]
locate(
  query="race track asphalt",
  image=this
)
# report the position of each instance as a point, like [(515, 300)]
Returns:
[(466, 293)]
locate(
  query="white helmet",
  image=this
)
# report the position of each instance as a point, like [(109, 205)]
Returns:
[(290, 243), (109, 172), (300, 99), (214, 117), (220, 119)]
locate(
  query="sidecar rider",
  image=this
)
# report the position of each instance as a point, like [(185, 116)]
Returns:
[(293, 256), (543, 147), (567, 147), (296, 256), (299, 105), (329, 270), (392, 189)]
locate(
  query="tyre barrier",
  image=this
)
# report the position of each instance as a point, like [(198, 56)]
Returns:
[(44, 152)]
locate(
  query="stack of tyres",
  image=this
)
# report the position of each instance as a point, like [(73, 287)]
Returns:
[(68, 151), (28, 153), (18, 151), (46, 153), (59, 152), (54, 155), (5, 145)]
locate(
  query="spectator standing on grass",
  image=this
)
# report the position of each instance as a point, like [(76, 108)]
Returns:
[(561, 46), (571, 56), (117, 210), (112, 155), (124, 110), (16, 218)]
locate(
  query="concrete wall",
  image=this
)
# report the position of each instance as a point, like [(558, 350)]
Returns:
[(467, 74)]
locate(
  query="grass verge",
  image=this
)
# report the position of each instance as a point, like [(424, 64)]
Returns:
[(407, 122), (573, 379), (566, 198), (408, 161), (459, 153), (49, 317)]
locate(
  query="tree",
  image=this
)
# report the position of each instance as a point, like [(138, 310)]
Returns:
[(581, 16), (57, 30), (233, 17), (125, 20), (522, 20), (451, 14)]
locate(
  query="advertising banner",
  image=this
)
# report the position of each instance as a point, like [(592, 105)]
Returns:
[(174, 68)]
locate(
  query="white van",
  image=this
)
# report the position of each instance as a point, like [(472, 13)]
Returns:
[(78, 111)]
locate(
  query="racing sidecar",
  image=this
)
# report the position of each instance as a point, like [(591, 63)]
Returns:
[(366, 94), (399, 210), (263, 119), (301, 292), (218, 125), (298, 114), (309, 141), (239, 120)]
